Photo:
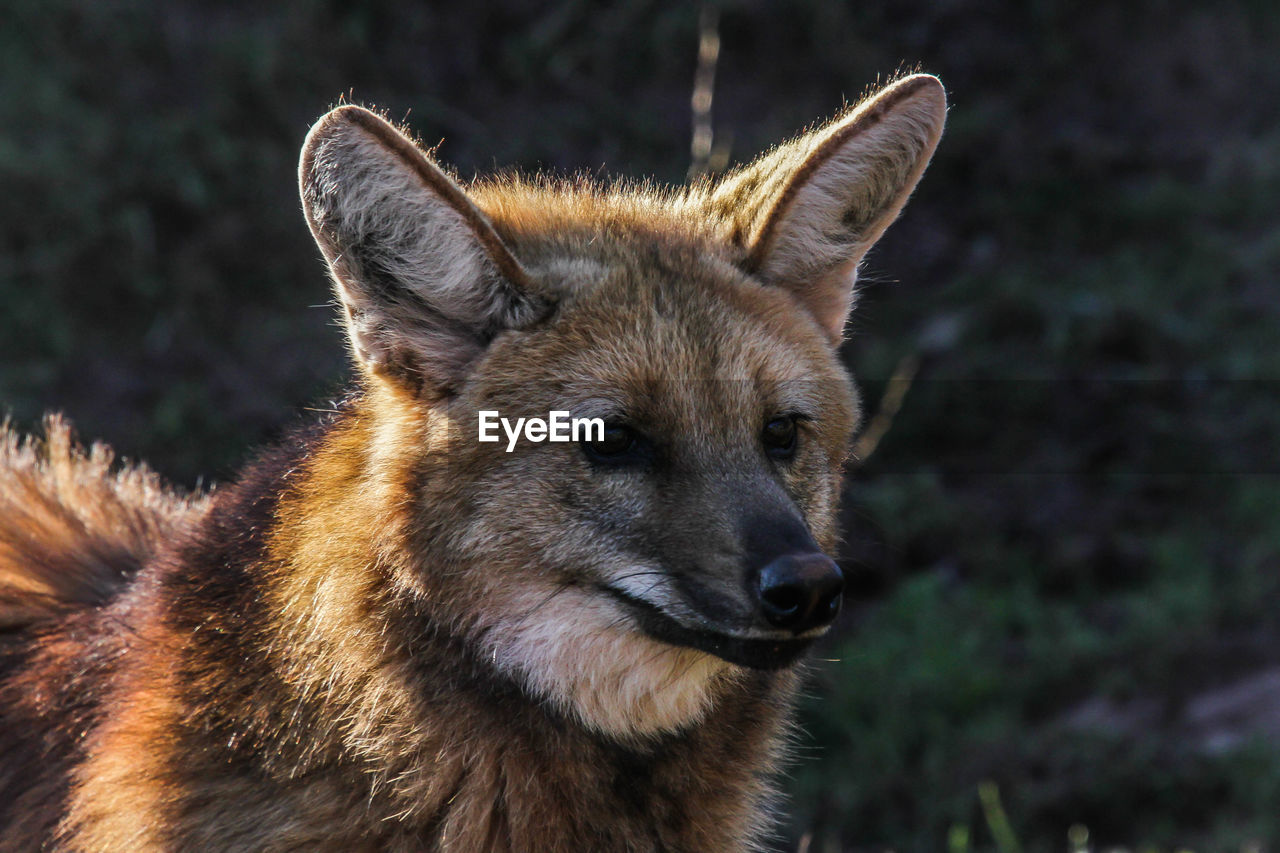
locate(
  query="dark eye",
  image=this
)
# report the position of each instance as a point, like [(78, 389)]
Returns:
[(619, 445), (779, 437)]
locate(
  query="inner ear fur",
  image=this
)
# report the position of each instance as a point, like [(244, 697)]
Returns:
[(423, 278), (807, 212)]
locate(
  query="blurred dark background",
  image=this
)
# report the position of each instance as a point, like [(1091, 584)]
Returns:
[(1065, 550)]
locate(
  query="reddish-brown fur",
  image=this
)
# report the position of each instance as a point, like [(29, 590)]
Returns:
[(386, 635)]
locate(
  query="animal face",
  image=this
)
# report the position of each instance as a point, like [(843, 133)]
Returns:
[(702, 515), (629, 577)]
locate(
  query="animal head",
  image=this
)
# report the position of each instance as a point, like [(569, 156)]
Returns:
[(627, 577)]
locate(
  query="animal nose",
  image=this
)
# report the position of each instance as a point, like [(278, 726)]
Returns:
[(800, 592)]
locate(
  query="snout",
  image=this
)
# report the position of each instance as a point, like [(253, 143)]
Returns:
[(800, 592), (762, 610)]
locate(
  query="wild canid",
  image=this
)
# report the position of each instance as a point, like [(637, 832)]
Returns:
[(388, 635)]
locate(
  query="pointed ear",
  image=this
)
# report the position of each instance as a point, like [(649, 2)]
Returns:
[(807, 212), (424, 280)]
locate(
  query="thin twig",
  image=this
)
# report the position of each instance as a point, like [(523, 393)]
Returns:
[(704, 85), (890, 402)]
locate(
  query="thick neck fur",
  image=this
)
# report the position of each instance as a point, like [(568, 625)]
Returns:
[(302, 683)]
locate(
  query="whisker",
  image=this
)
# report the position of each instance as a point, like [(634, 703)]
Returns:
[(541, 604)]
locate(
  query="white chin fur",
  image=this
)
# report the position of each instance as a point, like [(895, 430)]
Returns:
[(580, 653)]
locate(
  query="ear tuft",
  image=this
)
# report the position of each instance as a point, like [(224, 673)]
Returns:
[(807, 212), (424, 280)]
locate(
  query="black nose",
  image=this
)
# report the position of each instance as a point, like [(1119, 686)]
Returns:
[(800, 592)]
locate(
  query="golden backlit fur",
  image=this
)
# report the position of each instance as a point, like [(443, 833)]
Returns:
[(387, 635), (74, 526)]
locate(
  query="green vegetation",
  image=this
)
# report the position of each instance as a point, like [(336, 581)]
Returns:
[(1063, 551)]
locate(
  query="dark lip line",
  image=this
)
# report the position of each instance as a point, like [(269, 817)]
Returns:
[(752, 652)]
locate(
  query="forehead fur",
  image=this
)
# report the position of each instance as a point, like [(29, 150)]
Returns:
[(652, 305), (649, 250), (546, 221)]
